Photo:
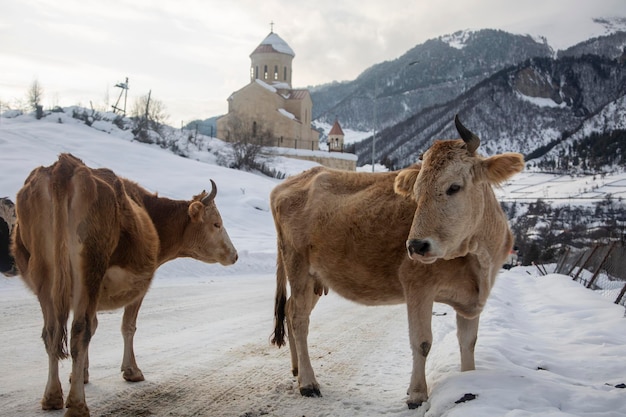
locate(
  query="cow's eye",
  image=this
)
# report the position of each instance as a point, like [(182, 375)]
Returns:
[(217, 225), (454, 188)]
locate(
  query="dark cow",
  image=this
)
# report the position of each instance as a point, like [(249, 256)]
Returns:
[(351, 232), (7, 220), (88, 240)]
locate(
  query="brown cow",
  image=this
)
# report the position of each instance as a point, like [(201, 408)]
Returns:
[(348, 231), (87, 240)]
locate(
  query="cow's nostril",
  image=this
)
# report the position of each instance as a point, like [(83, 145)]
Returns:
[(419, 246)]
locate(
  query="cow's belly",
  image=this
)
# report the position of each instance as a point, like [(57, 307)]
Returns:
[(121, 287), (361, 285)]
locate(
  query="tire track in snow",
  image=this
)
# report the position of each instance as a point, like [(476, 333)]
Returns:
[(346, 340)]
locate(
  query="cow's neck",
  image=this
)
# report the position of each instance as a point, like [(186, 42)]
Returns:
[(494, 237), (170, 218)]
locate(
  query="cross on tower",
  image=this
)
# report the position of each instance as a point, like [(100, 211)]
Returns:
[(272, 26)]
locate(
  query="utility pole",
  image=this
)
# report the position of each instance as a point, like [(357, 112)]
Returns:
[(124, 87), (148, 105), (375, 122)]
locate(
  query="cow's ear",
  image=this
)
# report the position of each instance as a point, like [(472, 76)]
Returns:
[(196, 211), (404, 182), (500, 168)]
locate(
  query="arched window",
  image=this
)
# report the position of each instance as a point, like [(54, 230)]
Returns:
[(285, 74), (265, 72), (276, 72), (251, 73), (254, 129), (256, 72)]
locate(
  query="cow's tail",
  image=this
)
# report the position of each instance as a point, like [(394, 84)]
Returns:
[(61, 264), (278, 338)]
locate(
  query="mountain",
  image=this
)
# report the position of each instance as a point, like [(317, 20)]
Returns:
[(529, 108), (206, 127), (429, 74), (610, 46)]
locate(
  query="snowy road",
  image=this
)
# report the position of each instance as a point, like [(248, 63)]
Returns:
[(203, 345)]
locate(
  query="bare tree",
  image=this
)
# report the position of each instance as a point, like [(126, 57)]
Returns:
[(35, 94), (248, 137), (149, 115), (150, 108)]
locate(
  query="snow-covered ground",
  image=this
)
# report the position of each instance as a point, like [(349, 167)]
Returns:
[(547, 346)]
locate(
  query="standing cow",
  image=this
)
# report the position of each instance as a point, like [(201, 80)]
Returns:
[(351, 232), (87, 240)]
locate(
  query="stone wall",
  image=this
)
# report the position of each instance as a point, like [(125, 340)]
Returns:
[(330, 160)]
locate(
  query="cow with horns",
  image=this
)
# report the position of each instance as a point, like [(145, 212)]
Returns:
[(351, 232), (87, 240)]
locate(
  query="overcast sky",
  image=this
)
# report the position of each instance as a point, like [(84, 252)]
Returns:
[(193, 54)]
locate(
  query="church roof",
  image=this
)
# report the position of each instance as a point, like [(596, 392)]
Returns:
[(298, 94), (274, 43), (336, 129)]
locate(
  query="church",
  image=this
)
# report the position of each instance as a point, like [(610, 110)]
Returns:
[(268, 110)]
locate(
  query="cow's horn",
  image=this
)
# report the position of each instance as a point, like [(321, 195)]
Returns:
[(468, 137), (211, 196)]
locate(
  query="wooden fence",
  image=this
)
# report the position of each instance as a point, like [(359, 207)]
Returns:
[(601, 267)]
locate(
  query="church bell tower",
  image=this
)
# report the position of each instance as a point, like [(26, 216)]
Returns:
[(271, 61)]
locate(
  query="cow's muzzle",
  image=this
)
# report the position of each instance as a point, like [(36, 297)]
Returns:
[(418, 246), (421, 249)]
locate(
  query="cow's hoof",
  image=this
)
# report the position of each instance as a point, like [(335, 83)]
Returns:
[(80, 411), (133, 375), (294, 371), (423, 406), (310, 392), (413, 406), (52, 402)]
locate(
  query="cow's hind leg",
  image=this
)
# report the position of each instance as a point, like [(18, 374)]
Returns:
[(38, 277), (84, 313), (131, 371), (319, 290), (86, 286), (299, 307), (94, 326), (292, 341), (53, 395), (467, 333)]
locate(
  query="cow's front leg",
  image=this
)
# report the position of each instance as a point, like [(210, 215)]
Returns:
[(299, 307), (467, 333), (420, 309), (131, 371)]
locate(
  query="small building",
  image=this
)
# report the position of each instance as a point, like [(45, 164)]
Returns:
[(335, 138)]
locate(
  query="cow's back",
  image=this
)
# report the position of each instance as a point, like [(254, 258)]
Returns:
[(60, 210), (350, 227)]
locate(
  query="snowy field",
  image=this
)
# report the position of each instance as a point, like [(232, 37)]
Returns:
[(547, 346), (574, 190)]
